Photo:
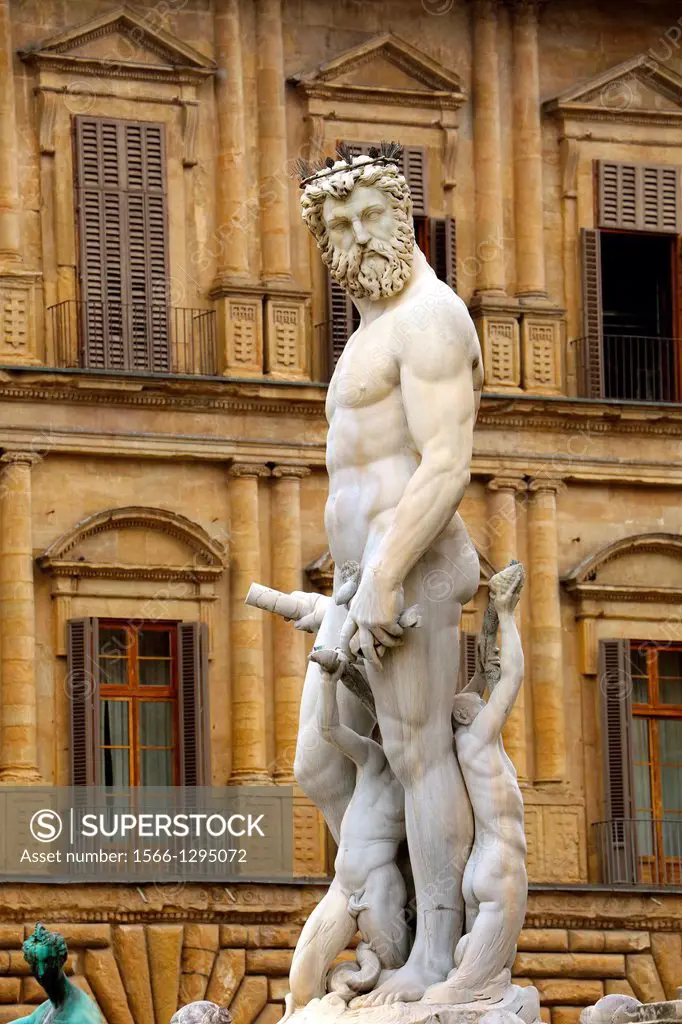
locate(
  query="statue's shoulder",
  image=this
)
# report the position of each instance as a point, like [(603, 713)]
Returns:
[(82, 1009), (435, 316)]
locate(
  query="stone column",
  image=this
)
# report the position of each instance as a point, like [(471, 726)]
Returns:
[(249, 753), (546, 652), (233, 259), (272, 140), (18, 723), (10, 243), (502, 493), (487, 150), (239, 298), (289, 654), (528, 198)]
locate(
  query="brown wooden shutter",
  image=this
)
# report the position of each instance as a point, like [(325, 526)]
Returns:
[(444, 249), (195, 753), (122, 222), (414, 169), (83, 688), (343, 320), (639, 197), (592, 345), (619, 855), (467, 658)]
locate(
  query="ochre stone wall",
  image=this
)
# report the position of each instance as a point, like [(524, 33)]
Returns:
[(143, 952)]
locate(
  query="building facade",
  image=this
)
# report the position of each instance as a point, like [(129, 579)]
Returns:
[(167, 331)]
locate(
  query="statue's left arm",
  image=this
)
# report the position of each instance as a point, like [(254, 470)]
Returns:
[(440, 379)]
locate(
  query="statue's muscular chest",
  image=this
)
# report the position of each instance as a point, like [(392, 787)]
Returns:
[(368, 370)]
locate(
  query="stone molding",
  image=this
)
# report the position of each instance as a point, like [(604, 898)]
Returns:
[(581, 584), (546, 485), (177, 61), (293, 472), (590, 100), (211, 552), (20, 458), (256, 469), (517, 484)]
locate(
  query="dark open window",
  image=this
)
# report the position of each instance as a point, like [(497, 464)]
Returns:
[(138, 703), (123, 249), (630, 263), (641, 689), (435, 236)]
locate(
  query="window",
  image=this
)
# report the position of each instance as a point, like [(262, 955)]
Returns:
[(435, 236), (630, 280), (641, 689), (139, 709), (657, 758), (138, 727), (122, 231)]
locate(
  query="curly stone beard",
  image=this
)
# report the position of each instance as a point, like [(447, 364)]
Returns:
[(381, 276)]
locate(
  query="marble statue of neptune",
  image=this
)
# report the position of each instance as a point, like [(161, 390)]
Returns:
[(401, 408)]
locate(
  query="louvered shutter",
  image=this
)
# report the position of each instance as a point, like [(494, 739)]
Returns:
[(83, 689), (444, 249), (195, 764), (122, 219), (619, 854), (593, 349), (414, 169), (467, 658), (343, 320), (639, 197)]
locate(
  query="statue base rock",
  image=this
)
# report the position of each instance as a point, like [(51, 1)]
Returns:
[(516, 1006)]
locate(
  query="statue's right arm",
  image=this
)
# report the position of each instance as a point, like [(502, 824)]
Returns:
[(490, 721)]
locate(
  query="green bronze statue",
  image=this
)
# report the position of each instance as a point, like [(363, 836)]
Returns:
[(45, 953)]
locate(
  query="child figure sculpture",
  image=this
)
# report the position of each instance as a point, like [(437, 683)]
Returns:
[(495, 884), (368, 892)]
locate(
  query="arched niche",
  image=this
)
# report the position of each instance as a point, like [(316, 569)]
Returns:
[(628, 588), (136, 562)]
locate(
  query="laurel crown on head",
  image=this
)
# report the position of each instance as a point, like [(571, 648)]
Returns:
[(386, 153)]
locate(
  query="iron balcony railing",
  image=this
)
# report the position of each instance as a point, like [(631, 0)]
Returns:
[(640, 851), (636, 368), (133, 337)]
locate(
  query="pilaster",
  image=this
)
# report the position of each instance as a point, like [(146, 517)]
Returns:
[(18, 720), (546, 649), (249, 754), (289, 652)]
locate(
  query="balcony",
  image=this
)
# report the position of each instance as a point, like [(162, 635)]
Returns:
[(640, 851), (633, 368), (137, 338)]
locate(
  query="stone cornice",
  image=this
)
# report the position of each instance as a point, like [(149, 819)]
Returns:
[(115, 571)]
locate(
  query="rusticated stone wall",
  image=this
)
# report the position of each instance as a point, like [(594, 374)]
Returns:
[(142, 952)]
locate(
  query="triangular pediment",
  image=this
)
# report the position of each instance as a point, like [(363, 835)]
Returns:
[(639, 87), (120, 43), (385, 64)]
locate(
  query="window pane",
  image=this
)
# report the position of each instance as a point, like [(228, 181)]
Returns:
[(156, 723), (671, 789), (638, 661), (113, 716), (670, 663), (114, 767), (640, 691), (113, 671), (644, 835), (155, 673), (156, 767), (670, 690), (113, 640), (670, 740), (154, 643)]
